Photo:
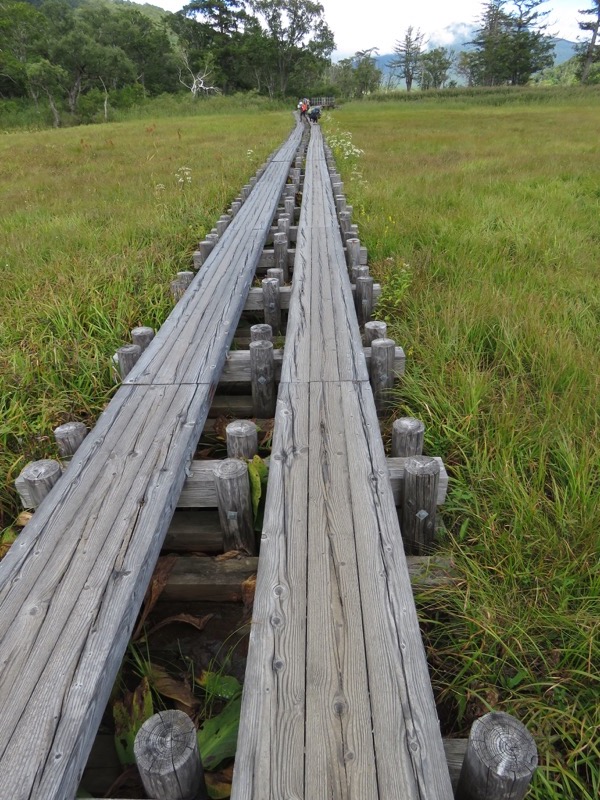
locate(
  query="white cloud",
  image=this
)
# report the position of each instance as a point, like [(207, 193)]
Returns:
[(358, 25)]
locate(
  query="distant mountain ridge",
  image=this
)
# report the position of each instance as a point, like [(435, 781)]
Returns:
[(563, 51)]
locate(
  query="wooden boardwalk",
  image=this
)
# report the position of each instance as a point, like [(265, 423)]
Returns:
[(337, 699), (72, 585)]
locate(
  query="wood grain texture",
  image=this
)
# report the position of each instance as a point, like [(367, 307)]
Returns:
[(270, 754), (254, 301), (357, 671), (406, 731), (211, 306), (71, 588), (322, 338), (72, 585), (199, 487)]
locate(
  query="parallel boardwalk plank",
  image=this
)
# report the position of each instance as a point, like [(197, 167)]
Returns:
[(371, 725), (71, 587), (271, 740), (322, 337), (340, 757), (410, 759)]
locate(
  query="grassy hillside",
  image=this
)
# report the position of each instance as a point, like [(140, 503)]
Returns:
[(485, 224), (96, 222)]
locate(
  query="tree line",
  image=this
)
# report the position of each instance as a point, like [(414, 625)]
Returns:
[(84, 56), (71, 53), (511, 44)]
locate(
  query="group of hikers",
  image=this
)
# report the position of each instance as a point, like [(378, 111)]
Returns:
[(306, 110)]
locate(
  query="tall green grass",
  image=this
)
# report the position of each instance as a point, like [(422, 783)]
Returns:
[(95, 224), (485, 224)]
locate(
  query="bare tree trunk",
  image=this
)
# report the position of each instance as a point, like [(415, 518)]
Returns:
[(54, 109), (589, 58), (105, 100)]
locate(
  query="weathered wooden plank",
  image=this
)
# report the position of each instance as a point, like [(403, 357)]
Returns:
[(340, 756), (200, 579), (194, 530), (104, 767), (254, 301), (322, 331), (199, 488), (410, 759), (210, 308), (71, 587), (270, 753)]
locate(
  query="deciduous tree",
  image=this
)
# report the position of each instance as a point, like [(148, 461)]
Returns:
[(434, 67)]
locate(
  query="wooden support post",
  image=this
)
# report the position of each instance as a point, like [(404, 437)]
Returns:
[(235, 505), (290, 190), (242, 439), (280, 252), (36, 480), (235, 207), (262, 370), (364, 299), (272, 303), (181, 283), (223, 223), (359, 271), (344, 218), (142, 336), (283, 225), (500, 760), (290, 208), (127, 357), (212, 237), (374, 329), (353, 252), (166, 753), (421, 479), (382, 370), (407, 437), (69, 436), (276, 273), (262, 331), (187, 276), (205, 248), (340, 202)]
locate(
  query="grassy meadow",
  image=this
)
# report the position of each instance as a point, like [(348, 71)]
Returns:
[(484, 224), (96, 222)]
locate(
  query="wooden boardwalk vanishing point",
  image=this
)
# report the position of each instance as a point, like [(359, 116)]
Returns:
[(337, 700)]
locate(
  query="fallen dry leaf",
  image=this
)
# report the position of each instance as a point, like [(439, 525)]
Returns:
[(198, 622), (170, 687), (248, 589), (23, 519), (220, 425), (228, 555), (163, 568)]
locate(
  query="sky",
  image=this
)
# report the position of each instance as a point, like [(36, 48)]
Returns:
[(361, 24)]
